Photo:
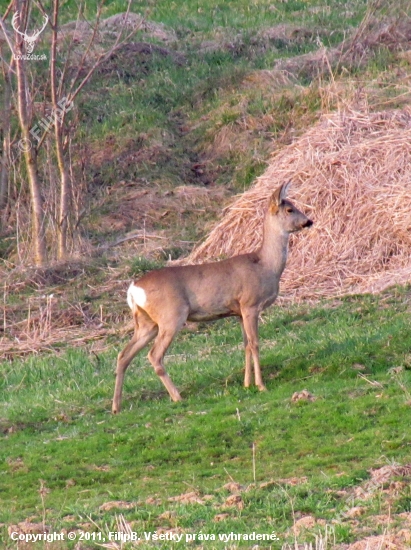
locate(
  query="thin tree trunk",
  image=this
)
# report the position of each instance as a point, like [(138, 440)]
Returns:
[(5, 161), (65, 194), (65, 182), (30, 152)]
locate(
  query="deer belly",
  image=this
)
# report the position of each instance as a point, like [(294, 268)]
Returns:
[(212, 309), (200, 315)]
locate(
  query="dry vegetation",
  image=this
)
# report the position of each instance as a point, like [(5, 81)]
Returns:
[(351, 169), (378, 29), (352, 173)]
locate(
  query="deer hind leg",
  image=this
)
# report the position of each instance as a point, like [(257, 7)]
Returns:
[(250, 323), (167, 331), (145, 330)]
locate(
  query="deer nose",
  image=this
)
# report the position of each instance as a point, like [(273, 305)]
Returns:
[(308, 223)]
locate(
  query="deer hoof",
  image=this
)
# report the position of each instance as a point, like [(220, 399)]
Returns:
[(261, 387), (176, 398)]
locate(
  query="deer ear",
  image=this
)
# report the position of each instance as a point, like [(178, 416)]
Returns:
[(278, 196), (284, 190)]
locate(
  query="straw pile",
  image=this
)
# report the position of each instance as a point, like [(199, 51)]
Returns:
[(352, 176)]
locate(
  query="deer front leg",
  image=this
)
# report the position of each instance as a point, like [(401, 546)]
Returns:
[(247, 373), (250, 322)]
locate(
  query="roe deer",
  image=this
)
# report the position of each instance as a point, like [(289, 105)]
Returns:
[(163, 300)]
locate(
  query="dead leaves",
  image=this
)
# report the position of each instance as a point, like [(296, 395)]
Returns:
[(234, 501), (188, 498), (117, 505)]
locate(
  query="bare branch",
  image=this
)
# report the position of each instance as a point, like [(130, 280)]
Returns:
[(87, 50), (68, 54), (102, 57), (6, 36), (8, 10)]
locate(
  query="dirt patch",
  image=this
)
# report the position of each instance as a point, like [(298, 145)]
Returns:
[(304, 395), (386, 473), (234, 501), (117, 505), (399, 541), (303, 524), (134, 60), (81, 31), (82, 37), (233, 487), (187, 498)]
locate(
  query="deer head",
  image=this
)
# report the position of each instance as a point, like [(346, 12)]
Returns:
[(28, 40)]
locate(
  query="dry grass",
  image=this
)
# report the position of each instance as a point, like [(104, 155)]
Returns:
[(352, 175), (81, 31), (45, 307), (386, 24)]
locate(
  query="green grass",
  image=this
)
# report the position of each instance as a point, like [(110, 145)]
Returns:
[(56, 428), (189, 18)]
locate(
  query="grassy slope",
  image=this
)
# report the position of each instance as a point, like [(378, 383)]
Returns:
[(57, 430), (204, 111)]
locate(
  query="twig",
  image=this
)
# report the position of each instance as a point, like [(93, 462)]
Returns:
[(373, 383), (254, 476)]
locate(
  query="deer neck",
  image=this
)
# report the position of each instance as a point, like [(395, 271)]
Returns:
[(273, 251)]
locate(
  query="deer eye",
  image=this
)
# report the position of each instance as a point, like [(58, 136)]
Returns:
[(289, 210)]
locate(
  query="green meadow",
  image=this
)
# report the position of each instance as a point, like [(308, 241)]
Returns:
[(64, 456)]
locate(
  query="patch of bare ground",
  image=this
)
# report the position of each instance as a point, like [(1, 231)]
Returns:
[(188, 498), (303, 395), (234, 501), (79, 34), (305, 523), (133, 59), (233, 487), (385, 531), (89, 41), (117, 505), (388, 541)]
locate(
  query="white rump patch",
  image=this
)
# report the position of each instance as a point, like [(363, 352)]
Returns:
[(136, 296)]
